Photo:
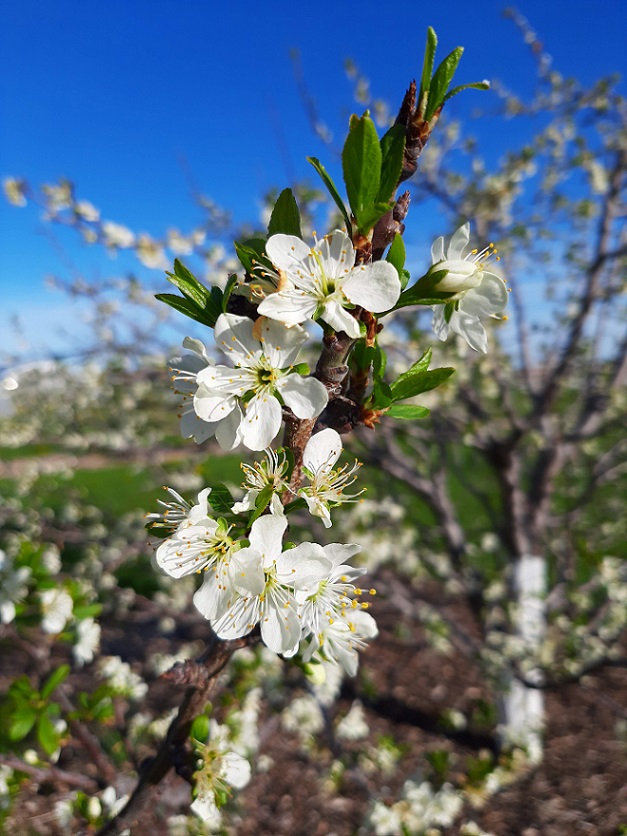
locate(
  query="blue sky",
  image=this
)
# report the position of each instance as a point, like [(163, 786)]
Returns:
[(115, 95)]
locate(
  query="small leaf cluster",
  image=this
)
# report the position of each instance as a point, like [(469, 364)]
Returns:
[(26, 709)]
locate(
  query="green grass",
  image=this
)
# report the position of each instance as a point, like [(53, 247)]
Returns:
[(28, 451)]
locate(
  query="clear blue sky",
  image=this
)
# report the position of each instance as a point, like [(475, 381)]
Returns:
[(114, 94)]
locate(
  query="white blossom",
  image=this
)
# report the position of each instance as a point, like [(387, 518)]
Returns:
[(12, 586), (246, 402), (326, 486), (260, 476), (56, 606), (219, 769), (88, 640), (479, 293), (323, 281), (179, 513), (341, 638), (117, 235), (121, 678)]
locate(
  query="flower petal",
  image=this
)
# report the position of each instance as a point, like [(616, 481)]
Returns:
[(459, 242), (305, 396), (280, 343), (322, 450), (470, 328), (280, 628), (262, 421), (439, 324), (337, 254), (437, 250), (288, 306), (266, 537), (228, 433), (487, 299), (234, 336), (287, 252), (376, 287), (340, 319)]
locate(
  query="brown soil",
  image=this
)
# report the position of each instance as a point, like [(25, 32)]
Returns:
[(580, 787)]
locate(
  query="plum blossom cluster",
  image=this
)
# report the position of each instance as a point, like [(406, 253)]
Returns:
[(299, 598)]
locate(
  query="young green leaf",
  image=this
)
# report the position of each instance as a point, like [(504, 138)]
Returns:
[(228, 289), (379, 363), (250, 252), (406, 411), (361, 166), (185, 307), (47, 734), (21, 722), (441, 81), (421, 293), (476, 85), (427, 65), (285, 216), (54, 680), (414, 383), (221, 499), (188, 284), (381, 395), (396, 254), (392, 150), (261, 503), (332, 190)]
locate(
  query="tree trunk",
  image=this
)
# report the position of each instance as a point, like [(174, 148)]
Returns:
[(522, 706)]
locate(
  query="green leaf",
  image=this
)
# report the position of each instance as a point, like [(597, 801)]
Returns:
[(415, 383), (408, 412), (47, 734), (21, 688), (476, 85), (381, 395), (396, 254), (261, 503), (228, 289), (420, 365), (427, 65), (83, 611), (221, 499), (22, 722), (361, 166), (392, 150), (186, 307), (372, 215), (213, 309), (405, 276), (424, 292), (300, 368), (250, 252), (379, 363), (362, 355), (54, 680), (332, 190), (188, 284), (285, 216), (441, 81)]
